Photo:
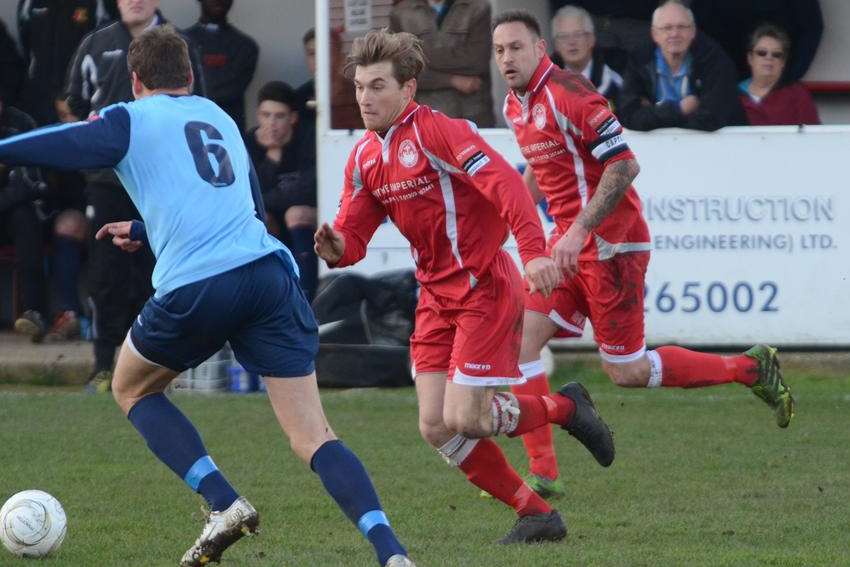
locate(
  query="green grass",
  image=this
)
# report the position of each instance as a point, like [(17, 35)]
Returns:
[(702, 477)]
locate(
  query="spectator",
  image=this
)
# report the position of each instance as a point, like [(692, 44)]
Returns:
[(286, 169), (50, 31), (229, 58), (621, 26), (307, 92), (11, 66), (68, 244), (20, 226), (456, 38), (345, 113), (765, 98), (107, 12), (732, 22), (574, 37), (119, 283), (686, 81)]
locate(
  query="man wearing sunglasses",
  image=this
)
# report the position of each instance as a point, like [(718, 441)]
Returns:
[(686, 81)]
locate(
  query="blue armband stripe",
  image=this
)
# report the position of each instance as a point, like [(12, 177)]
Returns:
[(202, 467), (371, 519)]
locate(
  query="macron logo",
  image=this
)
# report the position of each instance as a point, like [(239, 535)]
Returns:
[(477, 366)]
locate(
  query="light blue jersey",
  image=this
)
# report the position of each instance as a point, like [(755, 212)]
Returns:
[(185, 167)]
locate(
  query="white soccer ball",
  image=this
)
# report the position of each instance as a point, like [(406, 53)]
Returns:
[(32, 524)]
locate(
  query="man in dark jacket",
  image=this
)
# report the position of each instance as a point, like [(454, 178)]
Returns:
[(119, 283), (284, 157), (11, 67), (575, 38), (228, 56), (307, 91), (686, 81), (50, 31), (621, 26), (20, 226)]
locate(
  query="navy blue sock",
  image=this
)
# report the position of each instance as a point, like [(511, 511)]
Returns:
[(66, 270), (348, 483), (302, 248), (175, 441)]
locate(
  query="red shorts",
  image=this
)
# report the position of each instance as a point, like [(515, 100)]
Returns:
[(476, 340), (610, 294)]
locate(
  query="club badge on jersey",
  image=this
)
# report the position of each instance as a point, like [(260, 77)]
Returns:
[(408, 155)]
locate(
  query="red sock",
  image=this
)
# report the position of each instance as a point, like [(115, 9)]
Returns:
[(487, 468), (537, 411), (538, 442), (683, 368)]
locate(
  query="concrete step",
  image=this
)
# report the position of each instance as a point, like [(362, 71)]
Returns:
[(21, 361)]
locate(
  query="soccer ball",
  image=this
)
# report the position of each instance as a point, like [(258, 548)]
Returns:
[(32, 524)]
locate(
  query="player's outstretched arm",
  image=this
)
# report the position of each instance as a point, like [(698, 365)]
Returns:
[(359, 216), (129, 236), (329, 244), (97, 144), (616, 179)]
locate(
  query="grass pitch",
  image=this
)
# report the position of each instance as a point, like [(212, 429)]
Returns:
[(702, 477)]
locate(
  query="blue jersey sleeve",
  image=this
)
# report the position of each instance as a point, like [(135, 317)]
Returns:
[(100, 143)]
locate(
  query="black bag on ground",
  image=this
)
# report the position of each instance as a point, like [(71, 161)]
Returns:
[(364, 329)]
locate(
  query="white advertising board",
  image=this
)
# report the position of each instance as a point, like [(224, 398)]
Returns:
[(750, 229)]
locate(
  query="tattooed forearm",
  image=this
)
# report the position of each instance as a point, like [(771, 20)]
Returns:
[(615, 180)]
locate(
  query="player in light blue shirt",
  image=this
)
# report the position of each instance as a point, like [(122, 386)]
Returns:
[(219, 277)]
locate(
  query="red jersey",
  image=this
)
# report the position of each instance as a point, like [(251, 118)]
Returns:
[(448, 192), (567, 133)]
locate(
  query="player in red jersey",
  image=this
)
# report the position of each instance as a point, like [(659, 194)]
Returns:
[(579, 161), (455, 199)]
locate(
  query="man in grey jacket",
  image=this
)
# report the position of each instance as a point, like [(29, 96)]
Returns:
[(456, 38)]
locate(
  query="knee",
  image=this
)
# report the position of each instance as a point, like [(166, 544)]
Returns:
[(629, 375), (469, 424), (433, 431), (305, 448), (537, 329), (299, 216), (122, 395), (71, 224)]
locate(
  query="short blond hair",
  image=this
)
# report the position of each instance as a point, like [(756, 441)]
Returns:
[(402, 49)]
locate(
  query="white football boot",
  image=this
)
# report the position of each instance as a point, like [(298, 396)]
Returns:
[(222, 530), (399, 561)]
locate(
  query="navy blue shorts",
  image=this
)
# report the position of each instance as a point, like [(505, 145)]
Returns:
[(259, 308)]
